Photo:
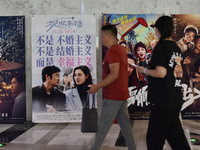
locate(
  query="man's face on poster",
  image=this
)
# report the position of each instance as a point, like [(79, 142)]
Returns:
[(130, 67), (124, 45), (15, 86), (54, 81)]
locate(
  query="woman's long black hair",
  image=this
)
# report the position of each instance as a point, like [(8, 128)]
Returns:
[(86, 71)]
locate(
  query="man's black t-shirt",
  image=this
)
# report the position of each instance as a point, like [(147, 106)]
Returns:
[(166, 92)]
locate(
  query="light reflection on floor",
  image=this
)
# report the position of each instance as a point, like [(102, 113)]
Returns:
[(68, 136)]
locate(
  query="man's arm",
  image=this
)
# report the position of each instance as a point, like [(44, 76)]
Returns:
[(114, 73), (158, 72)]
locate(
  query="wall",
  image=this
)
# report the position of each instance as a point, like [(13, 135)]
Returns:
[(96, 7)]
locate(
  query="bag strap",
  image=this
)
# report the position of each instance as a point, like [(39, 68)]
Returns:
[(88, 101), (93, 101)]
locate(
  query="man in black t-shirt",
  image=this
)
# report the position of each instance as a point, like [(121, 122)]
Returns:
[(165, 72)]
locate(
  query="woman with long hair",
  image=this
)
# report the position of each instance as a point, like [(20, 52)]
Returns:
[(76, 97)]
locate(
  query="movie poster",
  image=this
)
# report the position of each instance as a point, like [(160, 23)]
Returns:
[(63, 65), (186, 34), (135, 31), (12, 70), (136, 34)]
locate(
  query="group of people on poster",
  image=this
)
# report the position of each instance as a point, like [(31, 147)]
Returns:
[(139, 52), (190, 47), (69, 94), (63, 57)]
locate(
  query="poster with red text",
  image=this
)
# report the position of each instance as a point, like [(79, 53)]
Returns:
[(63, 65), (136, 30)]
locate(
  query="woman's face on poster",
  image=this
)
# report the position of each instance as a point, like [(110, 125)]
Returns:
[(141, 52), (79, 77), (189, 36)]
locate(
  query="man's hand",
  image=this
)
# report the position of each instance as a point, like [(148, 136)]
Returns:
[(50, 109), (93, 88), (114, 72), (140, 69)]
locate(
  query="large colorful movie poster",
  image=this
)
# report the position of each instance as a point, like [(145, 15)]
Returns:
[(136, 34), (12, 70), (186, 34), (63, 65)]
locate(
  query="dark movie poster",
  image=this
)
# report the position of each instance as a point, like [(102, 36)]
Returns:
[(188, 39), (12, 69), (137, 35)]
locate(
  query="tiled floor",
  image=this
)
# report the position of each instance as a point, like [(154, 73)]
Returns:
[(68, 137)]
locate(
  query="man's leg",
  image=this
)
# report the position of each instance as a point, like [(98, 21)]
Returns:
[(176, 136), (126, 127), (158, 128), (110, 109)]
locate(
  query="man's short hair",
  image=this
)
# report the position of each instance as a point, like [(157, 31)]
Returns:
[(111, 28), (49, 70), (20, 77), (165, 25)]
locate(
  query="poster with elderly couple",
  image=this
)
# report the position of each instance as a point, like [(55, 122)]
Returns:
[(12, 70), (63, 65), (136, 34)]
